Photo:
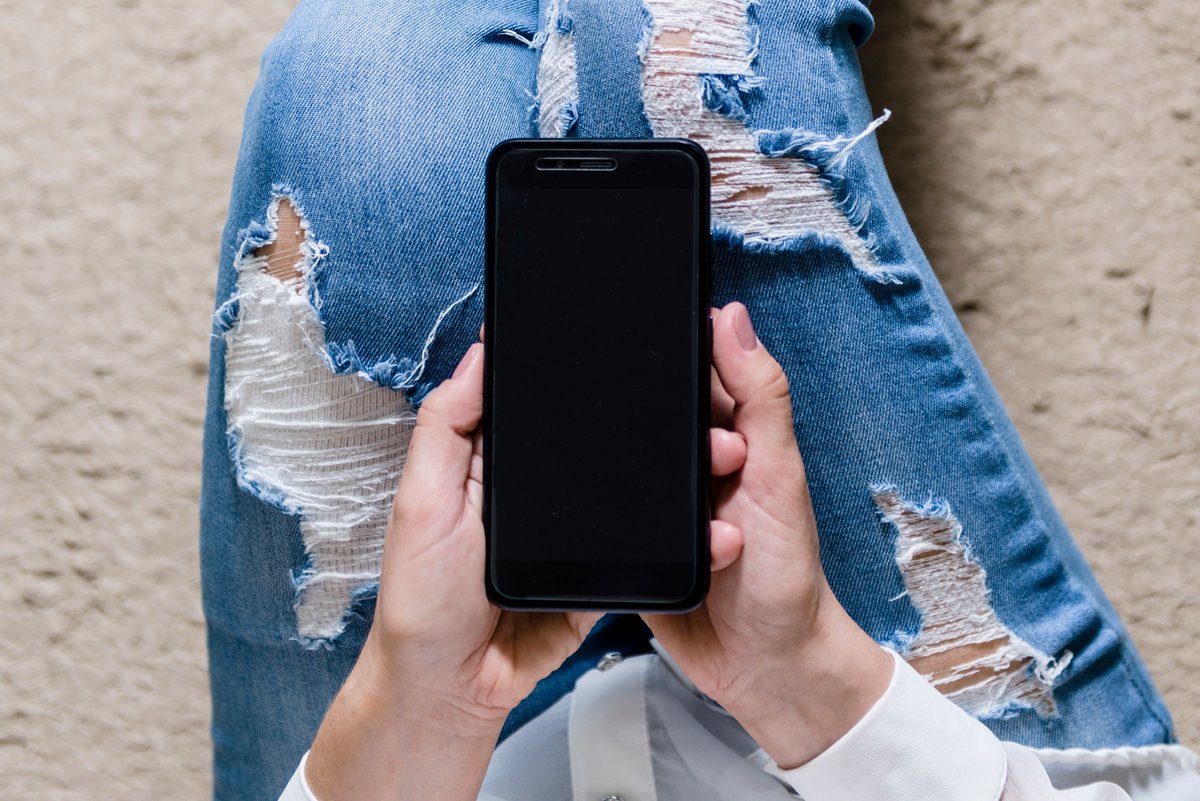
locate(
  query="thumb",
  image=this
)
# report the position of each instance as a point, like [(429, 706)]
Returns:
[(757, 384), (441, 447)]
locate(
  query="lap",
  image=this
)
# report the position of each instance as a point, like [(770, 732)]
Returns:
[(373, 123)]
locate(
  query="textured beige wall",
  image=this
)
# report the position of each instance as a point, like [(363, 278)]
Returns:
[(1047, 156)]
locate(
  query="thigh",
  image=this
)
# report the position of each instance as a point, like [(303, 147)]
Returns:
[(347, 287), (937, 533)]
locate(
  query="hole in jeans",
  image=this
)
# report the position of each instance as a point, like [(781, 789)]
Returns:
[(962, 647)]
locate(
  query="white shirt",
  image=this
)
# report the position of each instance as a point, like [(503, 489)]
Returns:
[(638, 730)]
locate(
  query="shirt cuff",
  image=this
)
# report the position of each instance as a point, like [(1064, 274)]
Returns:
[(912, 745), (297, 787)]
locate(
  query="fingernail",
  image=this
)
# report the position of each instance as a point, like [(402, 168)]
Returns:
[(744, 329), (467, 358)]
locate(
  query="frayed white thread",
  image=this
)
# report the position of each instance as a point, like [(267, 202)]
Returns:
[(531, 43), (765, 200), (557, 97), (848, 143), (328, 447), (419, 368), (520, 37), (949, 588)]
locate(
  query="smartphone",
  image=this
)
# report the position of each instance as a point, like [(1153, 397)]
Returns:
[(597, 342)]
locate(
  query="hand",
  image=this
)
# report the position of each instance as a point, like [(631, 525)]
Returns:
[(419, 715), (434, 629), (771, 643)]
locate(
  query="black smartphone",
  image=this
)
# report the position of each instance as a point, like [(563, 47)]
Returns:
[(596, 391)]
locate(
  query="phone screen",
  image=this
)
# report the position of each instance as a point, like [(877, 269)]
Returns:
[(597, 363)]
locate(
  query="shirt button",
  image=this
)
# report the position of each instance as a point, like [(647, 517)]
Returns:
[(607, 661)]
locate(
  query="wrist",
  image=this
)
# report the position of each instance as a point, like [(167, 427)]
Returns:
[(385, 680), (384, 738), (797, 710)]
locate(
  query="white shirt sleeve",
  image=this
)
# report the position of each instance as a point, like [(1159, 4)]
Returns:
[(915, 745), (297, 787), (1028, 781), (912, 744)]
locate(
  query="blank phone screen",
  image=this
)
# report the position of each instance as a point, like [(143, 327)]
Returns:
[(596, 314)]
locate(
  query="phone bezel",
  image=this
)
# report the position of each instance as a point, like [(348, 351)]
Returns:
[(590, 574)]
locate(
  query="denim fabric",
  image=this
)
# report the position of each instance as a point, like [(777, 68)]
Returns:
[(376, 119)]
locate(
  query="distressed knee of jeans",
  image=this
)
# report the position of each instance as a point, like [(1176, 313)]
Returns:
[(962, 647), (556, 102), (325, 446), (697, 76)]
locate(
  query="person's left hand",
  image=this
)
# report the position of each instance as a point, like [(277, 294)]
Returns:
[(771, 643), (434, 626), (441, 667)]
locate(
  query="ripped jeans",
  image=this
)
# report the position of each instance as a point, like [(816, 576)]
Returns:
[(350, 283)]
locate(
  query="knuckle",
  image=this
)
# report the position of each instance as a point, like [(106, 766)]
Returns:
[(776, 384), (432, 410)]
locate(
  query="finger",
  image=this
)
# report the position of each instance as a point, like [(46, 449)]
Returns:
[(475, 473), (439, 455), (722, 403), (582, 623), (481, 332), (725, 544), (755, 381), (727, 449), (543, 641)]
